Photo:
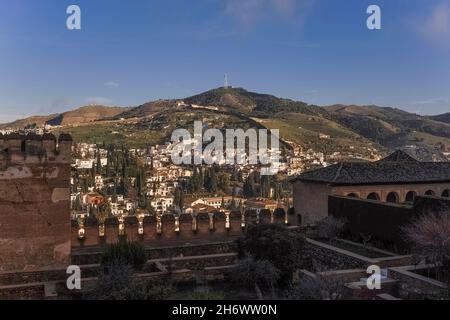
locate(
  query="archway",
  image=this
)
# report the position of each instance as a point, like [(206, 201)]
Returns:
[(392, 197), (446, 193), (373, 196), (430, 193), (352, 195), (410, 196)]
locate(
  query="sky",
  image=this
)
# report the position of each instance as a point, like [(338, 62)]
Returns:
[(131, 52)]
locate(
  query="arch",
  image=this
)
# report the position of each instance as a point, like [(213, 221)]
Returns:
[(410, 196), (446, 193), (373, 196), (352, 195), (392, 197), (430, 193)]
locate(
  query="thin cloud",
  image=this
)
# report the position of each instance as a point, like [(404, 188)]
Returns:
[(112, 84), (250, 12), (434, 101), (433, 105), (436, 25)]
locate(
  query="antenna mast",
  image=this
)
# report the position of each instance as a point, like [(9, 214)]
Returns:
[(226, 81)]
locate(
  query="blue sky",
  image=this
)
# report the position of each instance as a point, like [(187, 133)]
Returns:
[(131, 52)]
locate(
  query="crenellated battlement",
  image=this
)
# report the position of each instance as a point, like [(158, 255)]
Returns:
[(18, 150), (167, 227)]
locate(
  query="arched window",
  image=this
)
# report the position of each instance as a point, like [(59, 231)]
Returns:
[(429, 193), (392, 197), (373, 196), (352, 195), (446, 193), (410, 196)]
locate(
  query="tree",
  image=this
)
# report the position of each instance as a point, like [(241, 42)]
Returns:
[(251, 273), (78, 205), (84, 185), (112, 281), (276, 244), (223, 182), (140, 181), (330, 227), (99, 162), (124, 253), (114, 195), (176, 197), (142, 201), (195, 181), (125, 183), (429, 239), (241, 207), (233, 200), (116, 283), (181, 203), (108, 164), (249, 189), (211, 181), (265, 187)]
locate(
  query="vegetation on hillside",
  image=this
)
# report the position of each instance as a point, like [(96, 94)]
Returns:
[(348, 127)]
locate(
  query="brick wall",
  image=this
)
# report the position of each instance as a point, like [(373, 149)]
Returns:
[(34, 202)]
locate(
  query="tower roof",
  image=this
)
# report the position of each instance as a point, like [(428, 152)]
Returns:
[(399, 156)]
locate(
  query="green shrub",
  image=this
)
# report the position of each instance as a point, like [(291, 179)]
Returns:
[(116, 283), (249, 273), (124, 253), (276, 244)]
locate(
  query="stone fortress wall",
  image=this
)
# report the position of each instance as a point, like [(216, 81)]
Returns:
[(165, 228), (34, 201), (36, 231)]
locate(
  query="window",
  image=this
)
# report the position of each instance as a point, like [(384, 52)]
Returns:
[(392, 197), (446, 193), (429, 193), (410, 196), (373, 196)]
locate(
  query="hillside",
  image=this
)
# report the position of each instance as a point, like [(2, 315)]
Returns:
[(147, 109), (157, 129), (86, 114), (251, 103), (78, 116), (442, 117), (298, 122), (30, 121), (348, 129), (392, 127)]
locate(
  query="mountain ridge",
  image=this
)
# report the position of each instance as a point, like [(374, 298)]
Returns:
[(346, 126), (79, 115)]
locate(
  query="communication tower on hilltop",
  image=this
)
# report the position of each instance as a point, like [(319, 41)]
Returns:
[(226, 81)]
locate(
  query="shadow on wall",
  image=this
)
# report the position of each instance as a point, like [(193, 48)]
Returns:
[(383, 221)]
